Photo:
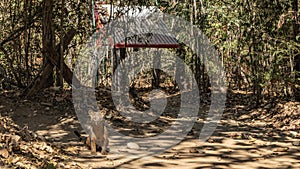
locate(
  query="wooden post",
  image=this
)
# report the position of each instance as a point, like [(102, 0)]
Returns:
[(156, 72)]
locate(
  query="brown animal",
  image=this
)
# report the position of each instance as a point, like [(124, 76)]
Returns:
[(98, 137)]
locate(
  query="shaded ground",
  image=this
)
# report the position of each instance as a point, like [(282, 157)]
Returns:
[(247, 137)]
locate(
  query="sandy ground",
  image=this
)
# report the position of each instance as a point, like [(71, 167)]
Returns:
[(238, 141)]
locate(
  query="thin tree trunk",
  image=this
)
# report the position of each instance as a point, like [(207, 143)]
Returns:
[(296, 32), (55, 61), (48, 37)]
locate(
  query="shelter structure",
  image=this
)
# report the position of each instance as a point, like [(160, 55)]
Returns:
[(135, 31)]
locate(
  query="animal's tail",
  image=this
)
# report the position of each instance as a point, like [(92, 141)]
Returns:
[(78, 135)]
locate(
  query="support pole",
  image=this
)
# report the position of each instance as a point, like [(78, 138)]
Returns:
[(156, 72)]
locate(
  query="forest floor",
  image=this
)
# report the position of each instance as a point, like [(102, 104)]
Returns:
[(39, 133)]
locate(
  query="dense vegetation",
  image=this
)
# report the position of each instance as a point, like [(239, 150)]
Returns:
[(258, 41)]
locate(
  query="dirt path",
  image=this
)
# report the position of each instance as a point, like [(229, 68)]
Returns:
[(238, 142)]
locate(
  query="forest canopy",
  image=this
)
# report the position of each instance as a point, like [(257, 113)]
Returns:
[(258, 41)]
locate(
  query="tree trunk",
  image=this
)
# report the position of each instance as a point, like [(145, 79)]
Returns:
[(38, 85), (48, 39), (296, 32)]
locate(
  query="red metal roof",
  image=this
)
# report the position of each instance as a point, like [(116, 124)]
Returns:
[(143, 29), (146, 41)]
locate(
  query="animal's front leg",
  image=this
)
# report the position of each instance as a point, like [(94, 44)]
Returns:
[(105, 142), (93, 145)]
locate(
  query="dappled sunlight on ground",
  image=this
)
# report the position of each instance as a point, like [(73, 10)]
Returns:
[(242, 139)]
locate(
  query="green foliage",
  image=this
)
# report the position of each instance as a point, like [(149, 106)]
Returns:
[(254, 38), (21, 34), (257, 40)]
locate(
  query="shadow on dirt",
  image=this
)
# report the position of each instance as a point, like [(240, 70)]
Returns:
[(244, 136)]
